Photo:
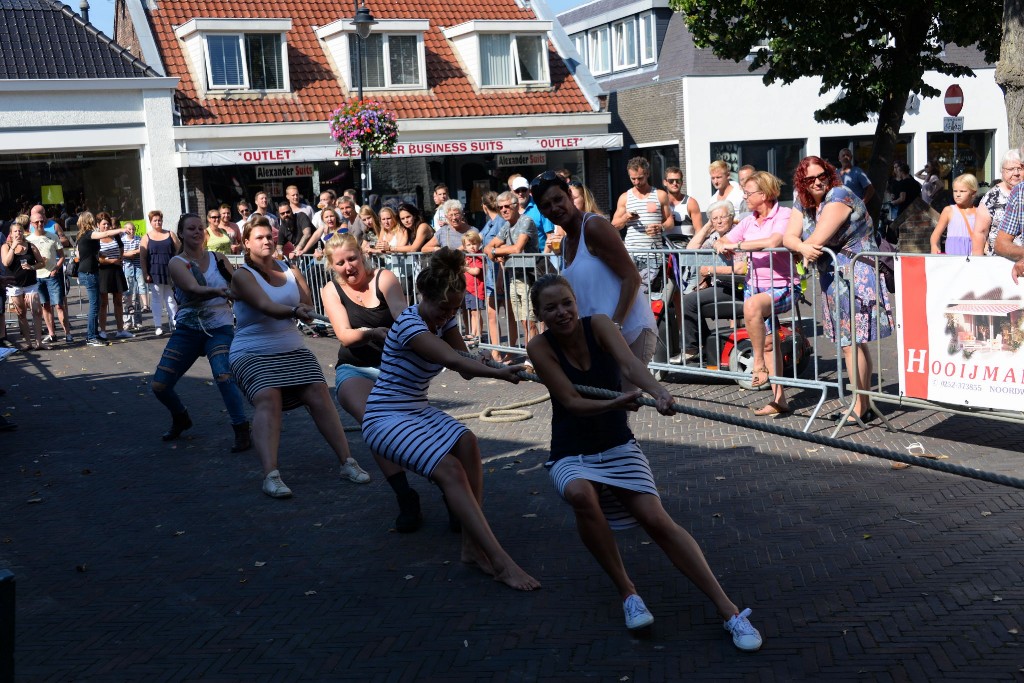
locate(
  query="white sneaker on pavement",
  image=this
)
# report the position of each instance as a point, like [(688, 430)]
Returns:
[(353, 472), (744, 635), (274, 487), (637, 614)]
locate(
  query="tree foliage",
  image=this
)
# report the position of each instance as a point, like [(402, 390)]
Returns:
[(873, 52)]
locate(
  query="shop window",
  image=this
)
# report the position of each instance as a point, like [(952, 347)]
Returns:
[(624, 38), (508, 60), (600, 50), (778, 157), (392, 55), (238, 54), (389, 60), (648, 39)]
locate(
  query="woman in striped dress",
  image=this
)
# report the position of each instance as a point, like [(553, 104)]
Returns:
[(269, 358), (400, 424), (595, 462)]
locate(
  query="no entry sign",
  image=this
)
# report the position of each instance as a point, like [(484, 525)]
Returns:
[(954, 100)]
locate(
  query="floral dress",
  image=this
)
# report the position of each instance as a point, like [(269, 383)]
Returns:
[(873, 311)]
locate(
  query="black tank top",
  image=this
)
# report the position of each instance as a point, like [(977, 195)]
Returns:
[(585, 435), (23, 277), (366, 355)]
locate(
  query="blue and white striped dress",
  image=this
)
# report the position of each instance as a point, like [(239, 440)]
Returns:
[(399, 423)]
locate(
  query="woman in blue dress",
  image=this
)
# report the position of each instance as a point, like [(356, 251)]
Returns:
[(400, 424), (826, 214)]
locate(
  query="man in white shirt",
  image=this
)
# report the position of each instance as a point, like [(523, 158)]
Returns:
[(291, 193), (263, 209), (440, 197), (725, 189)]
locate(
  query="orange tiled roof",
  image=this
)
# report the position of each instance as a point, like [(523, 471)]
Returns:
[(316, 89)]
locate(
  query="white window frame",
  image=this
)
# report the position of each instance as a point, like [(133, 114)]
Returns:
[(202, 29), (386, 48), (338, 36), (618, 30), (466, 39), (594, 44), (648, 38), (579, 42)]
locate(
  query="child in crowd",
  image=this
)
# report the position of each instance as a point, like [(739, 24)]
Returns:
[(472, 244), (135, 297), (968, 227)]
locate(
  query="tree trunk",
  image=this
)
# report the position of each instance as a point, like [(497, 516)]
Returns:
[(1010, 69), (890, 118)]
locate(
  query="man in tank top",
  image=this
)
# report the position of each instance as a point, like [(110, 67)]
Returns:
[(643, 212)]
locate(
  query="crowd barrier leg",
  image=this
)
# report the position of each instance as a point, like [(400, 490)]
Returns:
[(7, 597)]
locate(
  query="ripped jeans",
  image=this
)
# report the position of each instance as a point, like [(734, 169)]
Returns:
[(183, 349)]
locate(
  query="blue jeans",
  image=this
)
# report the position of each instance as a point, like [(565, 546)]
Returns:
[(183, 349), (91, 283)]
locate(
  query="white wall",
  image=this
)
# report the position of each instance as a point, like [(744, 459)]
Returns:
[(62, 116), (741, 108)]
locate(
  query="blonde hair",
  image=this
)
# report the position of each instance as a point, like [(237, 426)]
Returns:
[(366, 212), (967, 180), (86, 222), (472, 237), (718, 165), (344, 240), (766, 183)]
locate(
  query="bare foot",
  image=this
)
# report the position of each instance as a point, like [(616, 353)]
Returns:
[(473, 556), (515, 577)]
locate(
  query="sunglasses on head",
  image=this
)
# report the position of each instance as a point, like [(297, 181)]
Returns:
[(546, 178)]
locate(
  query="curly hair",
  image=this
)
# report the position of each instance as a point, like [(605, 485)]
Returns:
[(802, 192), (443, 275)]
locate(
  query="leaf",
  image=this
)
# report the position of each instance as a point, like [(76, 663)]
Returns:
[(996, 598), (899, 465), (409, 576), (719, 478), (310, 593), (530, 514), (259, 564), (986, 514), (179, 533), (867, 536), (34, 500)]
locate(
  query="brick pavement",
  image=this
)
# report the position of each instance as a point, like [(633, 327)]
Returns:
[(165, 562)]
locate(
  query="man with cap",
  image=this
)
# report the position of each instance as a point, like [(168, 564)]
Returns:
[(521, 187)]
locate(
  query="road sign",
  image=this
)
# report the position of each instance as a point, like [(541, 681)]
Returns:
[(952, 124), (954, 100)]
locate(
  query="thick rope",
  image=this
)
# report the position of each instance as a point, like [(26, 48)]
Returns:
[(821, 440)]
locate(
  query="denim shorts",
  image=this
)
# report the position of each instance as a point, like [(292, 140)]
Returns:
[(472, 303), (345, 372), (782, 299), (51, 291)]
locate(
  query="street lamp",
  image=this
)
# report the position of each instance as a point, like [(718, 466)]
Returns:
[(363, 22)]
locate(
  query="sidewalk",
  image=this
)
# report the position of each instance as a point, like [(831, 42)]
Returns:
[(138, 559)]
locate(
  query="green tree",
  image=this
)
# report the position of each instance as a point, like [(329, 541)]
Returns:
[(874, 54)]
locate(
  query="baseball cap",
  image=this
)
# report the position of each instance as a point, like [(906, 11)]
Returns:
[(519, 183)]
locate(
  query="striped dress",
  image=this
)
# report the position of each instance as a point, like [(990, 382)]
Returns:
[(399, 424), (270, 352), (637, 238), (598, 448)]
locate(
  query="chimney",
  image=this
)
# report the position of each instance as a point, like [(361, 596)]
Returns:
[(84, 7)]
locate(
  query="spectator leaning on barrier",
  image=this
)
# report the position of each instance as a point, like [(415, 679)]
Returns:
[(440, 197), (518, 236), (998, 196), (521, 186), (455, 226)]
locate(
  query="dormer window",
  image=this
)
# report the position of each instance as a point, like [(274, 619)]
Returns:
[(648, 39), (504, 54), (624, 34), (239, 54), (393, 54)]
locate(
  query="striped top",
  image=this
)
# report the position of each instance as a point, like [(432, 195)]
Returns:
[(404, 375), (636, 235)]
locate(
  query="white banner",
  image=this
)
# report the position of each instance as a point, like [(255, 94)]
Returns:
[(960, 329), (291, 155)]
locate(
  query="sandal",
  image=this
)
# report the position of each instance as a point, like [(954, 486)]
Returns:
[(773, 409), (759, 371)]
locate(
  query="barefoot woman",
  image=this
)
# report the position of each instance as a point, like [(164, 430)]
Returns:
[(401, 425)]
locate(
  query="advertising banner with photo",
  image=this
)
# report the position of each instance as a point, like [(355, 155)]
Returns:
[(960, 329)]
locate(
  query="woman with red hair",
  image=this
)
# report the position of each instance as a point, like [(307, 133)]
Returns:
[(826, 214)]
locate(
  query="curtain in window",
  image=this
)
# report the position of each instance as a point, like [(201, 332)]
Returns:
[(373, 59), (496, 59), (625, 43), (225, 62), (648, 37), (263, 50), (404, 56), (531, 58)]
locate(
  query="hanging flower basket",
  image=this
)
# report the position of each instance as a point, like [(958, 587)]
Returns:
[(364, 125)]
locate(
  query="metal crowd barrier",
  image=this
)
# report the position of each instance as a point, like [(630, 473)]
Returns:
[(877, 393)]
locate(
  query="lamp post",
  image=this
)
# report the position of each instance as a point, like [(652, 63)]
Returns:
[(363, 22)]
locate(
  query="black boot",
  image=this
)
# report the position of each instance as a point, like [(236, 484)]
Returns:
[(243, 438), (180, 423), (409, 516)]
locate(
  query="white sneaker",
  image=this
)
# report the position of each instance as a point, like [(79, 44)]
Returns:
[(744, 635), (123, 334), (637, 614), (353, 472), (158, 332), (274, 487)]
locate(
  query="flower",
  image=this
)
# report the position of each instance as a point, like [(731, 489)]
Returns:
[(364, 125)]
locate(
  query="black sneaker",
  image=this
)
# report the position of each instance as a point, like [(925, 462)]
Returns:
[(409, 515)]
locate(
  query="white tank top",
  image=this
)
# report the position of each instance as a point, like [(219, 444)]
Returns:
[(682, 223), (260, 334), (597, 290)]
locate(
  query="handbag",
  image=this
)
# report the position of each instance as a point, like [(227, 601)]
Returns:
[(73, 268)]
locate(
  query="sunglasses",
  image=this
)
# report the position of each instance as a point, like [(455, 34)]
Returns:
[(823, 178), (674, 181), (284, 213), (521, 190), (213, 217), (545, 178), (503, 207)]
